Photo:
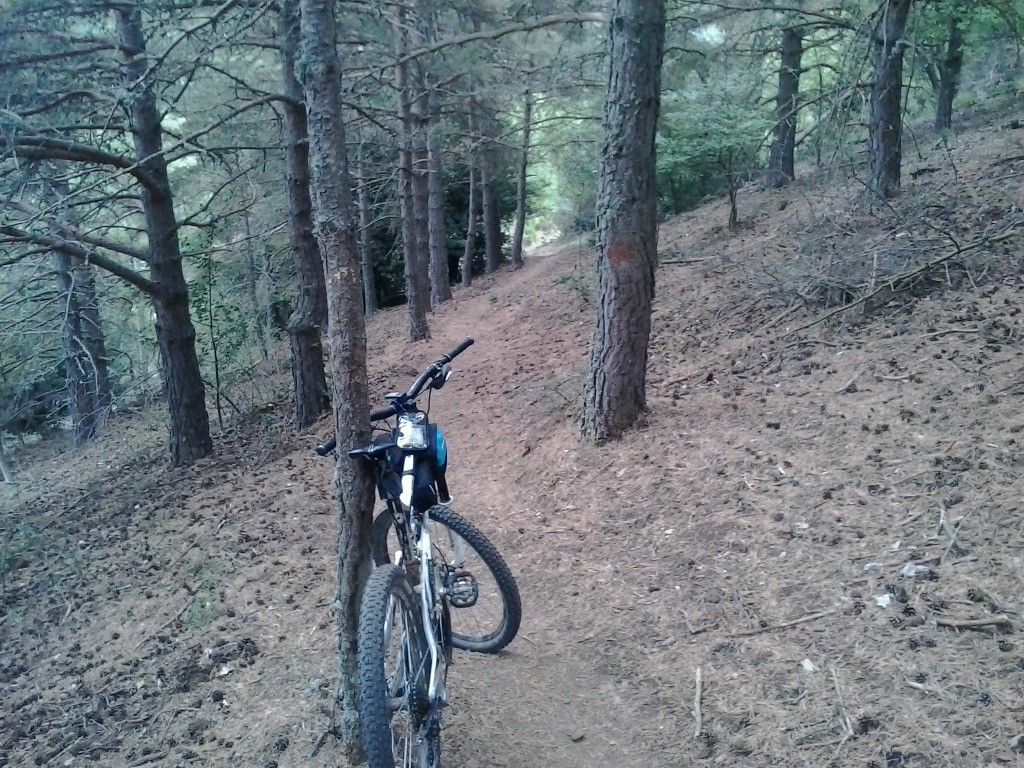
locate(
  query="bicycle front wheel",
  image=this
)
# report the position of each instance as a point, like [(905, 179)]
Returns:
[(393, 674), (481, 593)]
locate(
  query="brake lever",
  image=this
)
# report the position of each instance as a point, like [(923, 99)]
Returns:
[(439, 381)]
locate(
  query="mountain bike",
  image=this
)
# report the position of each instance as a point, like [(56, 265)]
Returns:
[(439, 583)]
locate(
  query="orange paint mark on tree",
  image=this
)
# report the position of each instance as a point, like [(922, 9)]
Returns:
[(619, 253)]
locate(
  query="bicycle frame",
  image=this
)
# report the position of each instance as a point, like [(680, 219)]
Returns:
[(412, 528), (431, 603)]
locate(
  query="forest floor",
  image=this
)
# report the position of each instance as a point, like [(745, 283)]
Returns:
[(810, 553)]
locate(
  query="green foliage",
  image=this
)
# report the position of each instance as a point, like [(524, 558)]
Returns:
[(31, 372), (564, 172), (16, 548), (206, 602), (711, 135)]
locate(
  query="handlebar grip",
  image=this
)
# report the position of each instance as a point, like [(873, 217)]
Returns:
[(326, 447), (383, 413), (458, 350)]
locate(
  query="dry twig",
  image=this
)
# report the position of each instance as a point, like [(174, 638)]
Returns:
[(1000, 620), (785, 624), (146, 759), (174, 618), (844, 714), (696, 705)]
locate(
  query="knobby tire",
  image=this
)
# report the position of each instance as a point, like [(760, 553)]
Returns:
[(392, 701), (499, 633)]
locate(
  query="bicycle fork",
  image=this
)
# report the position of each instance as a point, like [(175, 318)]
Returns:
[(428, 605)]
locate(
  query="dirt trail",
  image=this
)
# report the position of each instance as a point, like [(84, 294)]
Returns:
[(546, 701)]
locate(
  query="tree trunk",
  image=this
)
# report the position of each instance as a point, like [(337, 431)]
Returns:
[(491, 215), (335, 222), (369, 279), (262, 313), (440, 280), (310, 396), (524, 156), (183, 382), (733, 190), (781, 170), (627, 230), (421, 196), (885, 121), (6, 472), (470, 250), (85, 365), (415, 263), (949, 72), (85, 348), (92, 333)]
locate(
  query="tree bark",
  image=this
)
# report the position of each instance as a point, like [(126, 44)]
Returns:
[(469, 251), (335, 222), (489, 204), (949, 68), (421, 195), (524, 156), (183, 382), (310, 396), (627, 231), (781, 166), (885, 121), (85, 363), (369, 279), (440, 280), (6, 472), (93, 337), (415, 263), (85, 349), (260, 317)]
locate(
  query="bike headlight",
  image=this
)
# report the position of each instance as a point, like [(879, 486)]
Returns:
[(412, 431)]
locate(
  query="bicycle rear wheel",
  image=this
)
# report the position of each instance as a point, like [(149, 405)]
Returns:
[(482, 595), (393, 673)]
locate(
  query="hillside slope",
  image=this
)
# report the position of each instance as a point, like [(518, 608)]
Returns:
[(744, 556)]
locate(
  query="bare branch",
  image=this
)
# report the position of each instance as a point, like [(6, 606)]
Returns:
[(82, 254), (511, 29), (44, 57), (37, 147), (81, 237)]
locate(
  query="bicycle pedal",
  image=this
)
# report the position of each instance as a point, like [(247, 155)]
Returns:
[(463, 590)]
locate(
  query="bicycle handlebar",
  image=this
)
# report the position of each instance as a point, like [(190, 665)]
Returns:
[(417, 386), (432, 370)]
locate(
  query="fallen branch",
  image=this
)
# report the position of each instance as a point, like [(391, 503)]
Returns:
[(696, 630), (844, 714), (816, 744), (973, 245), (946, 332), (146, 759), (696, 705), (682, 261), (993, 621), (174, 618), (785, 624)]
